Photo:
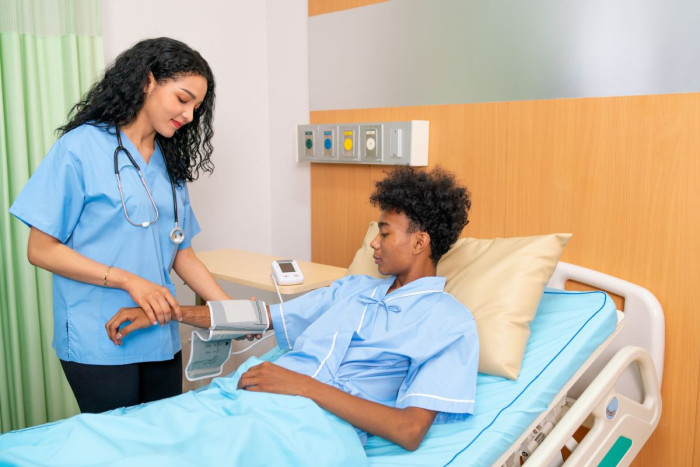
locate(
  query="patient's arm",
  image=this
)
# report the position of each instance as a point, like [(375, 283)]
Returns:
[(405, 427), (194, 315)]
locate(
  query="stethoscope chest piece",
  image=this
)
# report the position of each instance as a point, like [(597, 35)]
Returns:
[(177, 235)]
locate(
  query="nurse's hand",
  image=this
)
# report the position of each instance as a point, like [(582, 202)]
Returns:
[(156, 301), (137, 318)]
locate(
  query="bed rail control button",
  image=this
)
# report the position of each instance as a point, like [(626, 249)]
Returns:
[(611, 409)]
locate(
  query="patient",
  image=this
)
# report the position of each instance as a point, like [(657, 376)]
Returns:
[(390, 356)]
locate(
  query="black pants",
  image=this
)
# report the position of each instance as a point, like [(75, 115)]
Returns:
[(105, 387)]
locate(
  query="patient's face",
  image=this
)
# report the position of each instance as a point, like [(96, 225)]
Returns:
[(393, 245)]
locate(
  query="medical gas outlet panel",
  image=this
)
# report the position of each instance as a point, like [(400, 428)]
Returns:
[(384, 143)]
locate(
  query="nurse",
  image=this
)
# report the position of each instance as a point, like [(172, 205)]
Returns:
[(110, 216)]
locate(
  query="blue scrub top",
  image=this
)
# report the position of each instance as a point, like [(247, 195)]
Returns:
[(73, 196), (416, 346)]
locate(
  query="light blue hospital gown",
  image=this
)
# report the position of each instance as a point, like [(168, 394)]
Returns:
[(417, 346), (73, 196)]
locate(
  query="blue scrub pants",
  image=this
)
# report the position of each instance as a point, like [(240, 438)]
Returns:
[(98, 388)]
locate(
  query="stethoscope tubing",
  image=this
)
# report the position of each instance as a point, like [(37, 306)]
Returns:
[(177, 234)]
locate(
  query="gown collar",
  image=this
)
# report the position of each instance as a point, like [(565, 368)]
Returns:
[(432, 283)]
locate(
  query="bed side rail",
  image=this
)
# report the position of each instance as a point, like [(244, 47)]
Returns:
[(644, 317), (621, 425)]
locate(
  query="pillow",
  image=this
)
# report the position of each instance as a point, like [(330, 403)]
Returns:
[(500, 280)]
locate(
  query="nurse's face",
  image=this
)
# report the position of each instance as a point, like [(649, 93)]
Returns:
[(170, 105), (393, 246)]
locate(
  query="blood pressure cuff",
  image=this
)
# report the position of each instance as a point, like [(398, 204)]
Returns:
[(249, 316)]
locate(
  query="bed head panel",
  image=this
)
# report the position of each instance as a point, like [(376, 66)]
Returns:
[(644, 319)]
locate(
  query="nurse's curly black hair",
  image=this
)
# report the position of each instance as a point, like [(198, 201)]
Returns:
[(434, 202), (119, 96)]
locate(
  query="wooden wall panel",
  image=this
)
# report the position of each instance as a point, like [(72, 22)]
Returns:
[(620, 173), (338, 195), (696, 444), (320, 7), (688, 304)]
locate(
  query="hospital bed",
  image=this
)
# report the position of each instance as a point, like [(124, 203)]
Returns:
[(586, 364)]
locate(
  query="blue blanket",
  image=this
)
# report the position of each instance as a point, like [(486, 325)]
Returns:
[(216, 425), (221, 425)]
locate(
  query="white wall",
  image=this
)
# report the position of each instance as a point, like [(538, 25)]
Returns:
[(417, 52), (288, 68), (258, 198)]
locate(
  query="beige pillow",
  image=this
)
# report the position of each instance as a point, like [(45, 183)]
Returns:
[(500, 280)]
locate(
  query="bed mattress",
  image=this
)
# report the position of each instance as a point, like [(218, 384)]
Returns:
[(567, 329)]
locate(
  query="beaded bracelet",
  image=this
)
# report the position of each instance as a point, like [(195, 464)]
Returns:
[(104, 283)]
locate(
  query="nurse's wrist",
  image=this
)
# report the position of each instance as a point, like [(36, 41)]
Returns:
[(104, 280), (117, 278)]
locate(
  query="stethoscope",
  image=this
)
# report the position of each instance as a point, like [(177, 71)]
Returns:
[(177, 235)]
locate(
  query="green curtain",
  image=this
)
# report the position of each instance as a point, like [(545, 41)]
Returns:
[(50, 54)]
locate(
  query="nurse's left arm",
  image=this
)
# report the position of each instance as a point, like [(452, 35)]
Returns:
[(197, 276)]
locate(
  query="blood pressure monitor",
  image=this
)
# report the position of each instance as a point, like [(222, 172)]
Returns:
[(287, 272)]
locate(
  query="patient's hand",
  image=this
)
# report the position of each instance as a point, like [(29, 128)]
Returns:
[(268, 377), (136, 316)]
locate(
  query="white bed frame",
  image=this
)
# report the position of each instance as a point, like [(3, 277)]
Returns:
[(615, 394)]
